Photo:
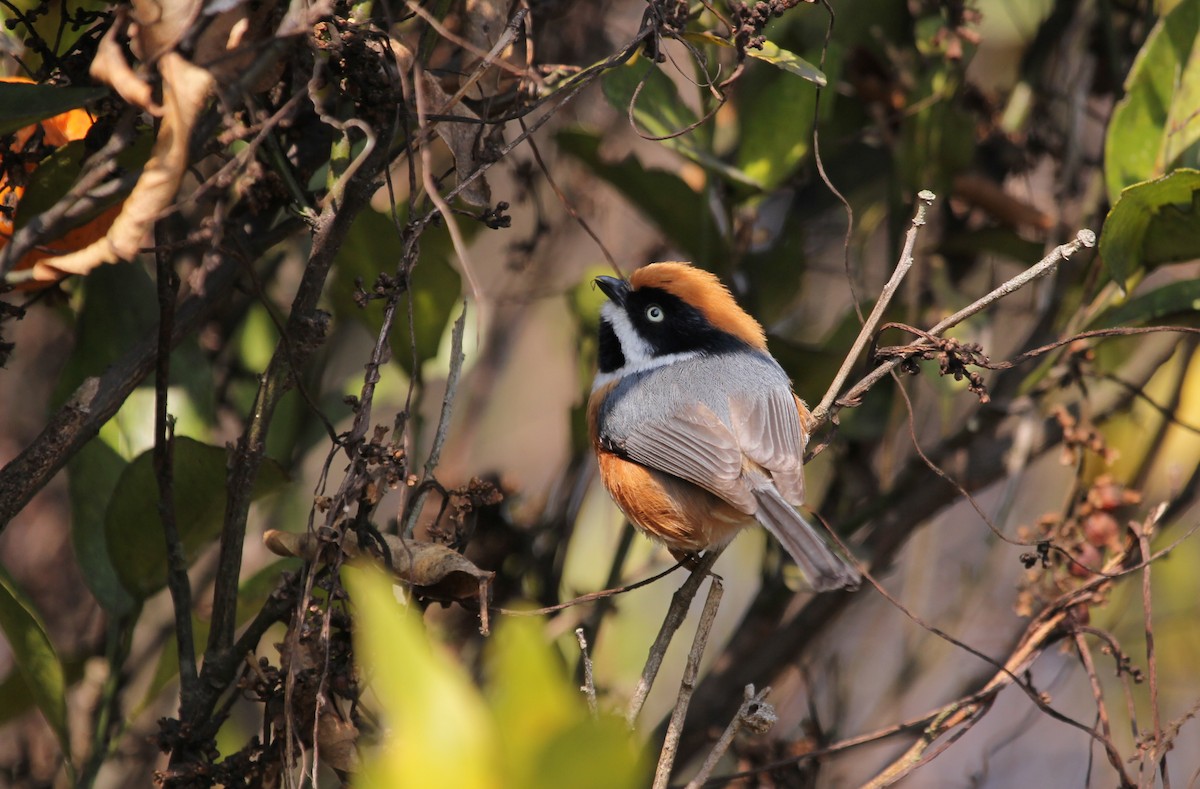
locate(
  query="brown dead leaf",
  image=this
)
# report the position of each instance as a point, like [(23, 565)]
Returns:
[(436, 571), (185, 91), (486, 21), (337, 740), (462, 138)]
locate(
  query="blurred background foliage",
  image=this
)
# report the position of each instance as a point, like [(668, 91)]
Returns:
[(744, 138)]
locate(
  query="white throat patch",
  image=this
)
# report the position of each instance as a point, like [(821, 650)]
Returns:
[(639, 355)]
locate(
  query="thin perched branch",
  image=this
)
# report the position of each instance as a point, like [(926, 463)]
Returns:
[(924, 200), (687, 685), (676, 613)]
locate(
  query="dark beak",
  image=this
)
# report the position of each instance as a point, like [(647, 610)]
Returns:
[(617, 290)]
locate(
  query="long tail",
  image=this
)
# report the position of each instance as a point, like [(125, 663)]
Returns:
[(823, 568)]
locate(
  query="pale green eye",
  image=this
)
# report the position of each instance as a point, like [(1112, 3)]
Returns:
[(654, 313)]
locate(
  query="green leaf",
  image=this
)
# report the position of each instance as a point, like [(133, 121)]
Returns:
[(1152, 223), (680, 212), (659, 111), (1156, 127), (529, 728), (16, 695), (773, 54), (23, 105), (548, 738), (35, 658), (92, 478), (119, 310), (591, 754), (133, 527), (775, 119), (521, 669), (788, 61), (372, 246), (1178, 298)]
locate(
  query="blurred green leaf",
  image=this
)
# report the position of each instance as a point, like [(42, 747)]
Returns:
[(591, 754), (373, 246), (520, 668), (1178, 298), (92, 477), (681, 213), (16, 696), (35, 658), (1156, 122), (119, 310), (133, 527), (659, 111), (443, 735), (530, 728), (22, 104), (1152, 223)]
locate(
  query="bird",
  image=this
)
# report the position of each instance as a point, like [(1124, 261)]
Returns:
[(696, 429)]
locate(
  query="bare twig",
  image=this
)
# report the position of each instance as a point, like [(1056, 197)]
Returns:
[(443, 207), (1105, 738), (680, 602), (589, 682), (164, 471), (754, 714), (439, 436), (924, 200), (590, 597), (1085, 238), (1142, 532), (687, 685)]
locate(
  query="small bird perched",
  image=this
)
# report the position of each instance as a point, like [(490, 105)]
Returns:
[(696, 428)]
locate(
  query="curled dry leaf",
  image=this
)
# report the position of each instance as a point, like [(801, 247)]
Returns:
[(110, 67), (435, 570), (462, 138), (185, 90)]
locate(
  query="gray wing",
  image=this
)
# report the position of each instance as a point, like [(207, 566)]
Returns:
[(763, 436), (697, 446), (770, 435)]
